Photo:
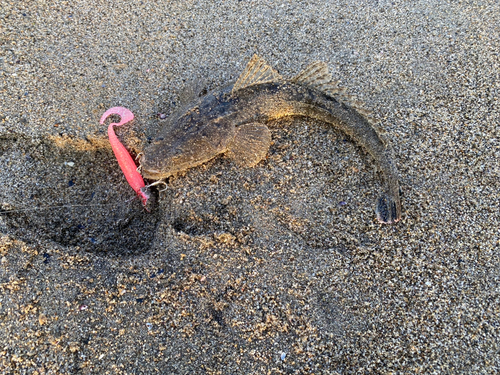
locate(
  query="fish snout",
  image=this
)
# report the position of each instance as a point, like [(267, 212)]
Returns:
[(151, 174), (147, 170)]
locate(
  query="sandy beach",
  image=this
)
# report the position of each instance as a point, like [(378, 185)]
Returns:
[(280, 268)]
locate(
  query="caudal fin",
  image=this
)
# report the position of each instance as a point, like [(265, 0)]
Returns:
[(388, 209)]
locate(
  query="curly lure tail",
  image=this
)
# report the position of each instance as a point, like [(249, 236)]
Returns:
[(125, 161)]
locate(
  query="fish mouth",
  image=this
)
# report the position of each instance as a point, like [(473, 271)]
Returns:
[(153, 174), (148, 172)]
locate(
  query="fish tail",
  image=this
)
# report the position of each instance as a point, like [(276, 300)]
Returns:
[(388, 209)]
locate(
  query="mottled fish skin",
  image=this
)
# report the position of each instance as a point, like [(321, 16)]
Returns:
[(232, 121)]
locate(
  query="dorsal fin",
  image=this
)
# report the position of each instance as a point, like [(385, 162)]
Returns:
[(316, 75), (257, 71)]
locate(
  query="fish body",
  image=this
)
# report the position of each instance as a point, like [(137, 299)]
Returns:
[(233, 121)]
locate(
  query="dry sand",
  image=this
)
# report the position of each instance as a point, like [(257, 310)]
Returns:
[(277, 269)]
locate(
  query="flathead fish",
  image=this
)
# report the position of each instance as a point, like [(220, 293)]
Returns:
[(233, 121)]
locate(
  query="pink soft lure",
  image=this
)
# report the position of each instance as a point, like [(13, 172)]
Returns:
[(125, 161)]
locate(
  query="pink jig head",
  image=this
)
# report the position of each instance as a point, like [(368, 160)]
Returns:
[(125, 161)]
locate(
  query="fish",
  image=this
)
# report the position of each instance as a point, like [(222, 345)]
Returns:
[(233, 121)]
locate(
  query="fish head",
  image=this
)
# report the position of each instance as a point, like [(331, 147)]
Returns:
[(183, 146)]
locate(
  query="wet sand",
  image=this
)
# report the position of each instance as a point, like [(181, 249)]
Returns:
[(277, 269)]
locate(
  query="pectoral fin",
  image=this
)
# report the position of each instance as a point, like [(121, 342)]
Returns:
[(250, 144)]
